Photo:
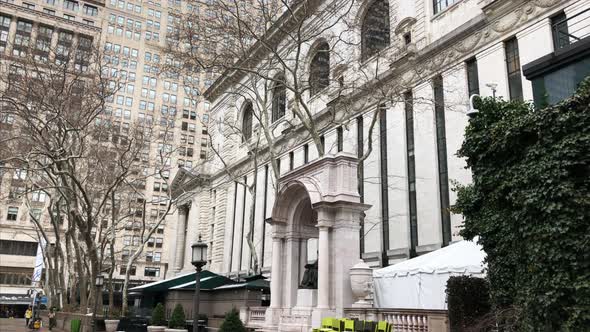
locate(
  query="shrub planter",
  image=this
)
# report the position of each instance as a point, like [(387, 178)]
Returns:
[(175, 330), (111, 325), (154, 328)]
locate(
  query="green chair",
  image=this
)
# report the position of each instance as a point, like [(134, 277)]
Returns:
[(369, 326), (383, 326), (75, 325)]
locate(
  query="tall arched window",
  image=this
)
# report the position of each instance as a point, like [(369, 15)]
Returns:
[(247, 121), (375, 29), (319, 69), (279, 99)]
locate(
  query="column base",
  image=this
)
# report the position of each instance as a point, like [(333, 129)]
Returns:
[(272, 318)]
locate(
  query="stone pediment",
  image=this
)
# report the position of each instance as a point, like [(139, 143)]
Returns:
[(186, 181)]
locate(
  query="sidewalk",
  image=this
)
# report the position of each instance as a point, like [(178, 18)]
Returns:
[(18, 325)]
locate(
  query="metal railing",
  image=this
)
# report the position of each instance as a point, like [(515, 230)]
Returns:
[(570, 30)]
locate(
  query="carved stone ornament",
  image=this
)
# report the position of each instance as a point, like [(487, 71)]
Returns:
[(361, 281)]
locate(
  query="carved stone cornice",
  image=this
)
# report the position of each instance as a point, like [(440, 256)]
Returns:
[(499, 18)]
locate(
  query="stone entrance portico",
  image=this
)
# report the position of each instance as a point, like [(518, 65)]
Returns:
[(318, 200)]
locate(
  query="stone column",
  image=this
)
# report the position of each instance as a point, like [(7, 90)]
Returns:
[(324, 267), (302, 257), (11, 35), (290, 280), (275, 274), (53, 45), (180, 237)]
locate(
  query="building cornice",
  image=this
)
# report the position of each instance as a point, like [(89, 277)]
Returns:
[(52, 18), (466, 40)]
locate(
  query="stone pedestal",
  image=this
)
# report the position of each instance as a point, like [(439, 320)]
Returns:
[(307, 298)]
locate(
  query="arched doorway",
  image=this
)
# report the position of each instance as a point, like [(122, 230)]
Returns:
[(317, 203)]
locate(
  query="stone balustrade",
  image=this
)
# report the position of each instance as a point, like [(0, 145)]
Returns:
[(253, 316), (406, 320)]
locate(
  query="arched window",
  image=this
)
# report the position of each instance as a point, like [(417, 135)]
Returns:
[(319, 69), (279, 99), (375, 29), (247, 121)]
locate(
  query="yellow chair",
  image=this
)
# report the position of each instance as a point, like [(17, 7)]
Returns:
[(383, 326), (327, 324), (349, 325), (353, 325)]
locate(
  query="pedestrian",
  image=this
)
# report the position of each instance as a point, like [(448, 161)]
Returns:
[(28, 315), (52, 321)]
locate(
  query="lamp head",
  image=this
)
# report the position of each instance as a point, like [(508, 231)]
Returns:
[(199, 253), (472, 110)]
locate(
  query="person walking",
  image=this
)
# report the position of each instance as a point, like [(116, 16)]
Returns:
[(28, 315), (52, 321)]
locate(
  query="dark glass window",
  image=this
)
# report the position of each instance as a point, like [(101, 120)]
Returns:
[(247, 121), (513, 68), (151, 272), (560, 31), (22, 38), (375, 29), (279, 100), (323, 143), (441, 146), (306, 153), (409, 108), (43, 42), (319, 71), (384, 178), (472, 77), (291, 160), (4, 28), (19, 248), (440, 5), (340, 138)]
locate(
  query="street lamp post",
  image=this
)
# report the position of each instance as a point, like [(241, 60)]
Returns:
[(98, 282), (199, 259)]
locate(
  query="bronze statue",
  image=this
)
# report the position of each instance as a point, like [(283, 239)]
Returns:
[(310, 276)]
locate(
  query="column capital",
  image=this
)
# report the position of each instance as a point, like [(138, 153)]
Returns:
[(184, 208)]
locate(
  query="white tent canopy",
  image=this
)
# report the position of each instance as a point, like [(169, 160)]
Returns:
[(420, 283)]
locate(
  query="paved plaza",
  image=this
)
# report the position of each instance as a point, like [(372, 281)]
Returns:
[(18, 325)]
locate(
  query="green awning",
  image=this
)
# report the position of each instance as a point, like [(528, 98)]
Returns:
[(251, 283), (207, 283), (165, 285)]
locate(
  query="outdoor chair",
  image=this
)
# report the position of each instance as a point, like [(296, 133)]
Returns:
[(353, 325), (328, 324), (369, 326), (383, 326)]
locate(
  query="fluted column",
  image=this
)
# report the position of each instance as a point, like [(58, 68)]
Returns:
[(276, 275), (180, 237), (324, 267)]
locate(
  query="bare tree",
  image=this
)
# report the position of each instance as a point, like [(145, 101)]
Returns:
[(55, 132)]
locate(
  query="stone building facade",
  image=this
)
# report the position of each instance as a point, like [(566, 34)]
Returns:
[(460, 48)]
